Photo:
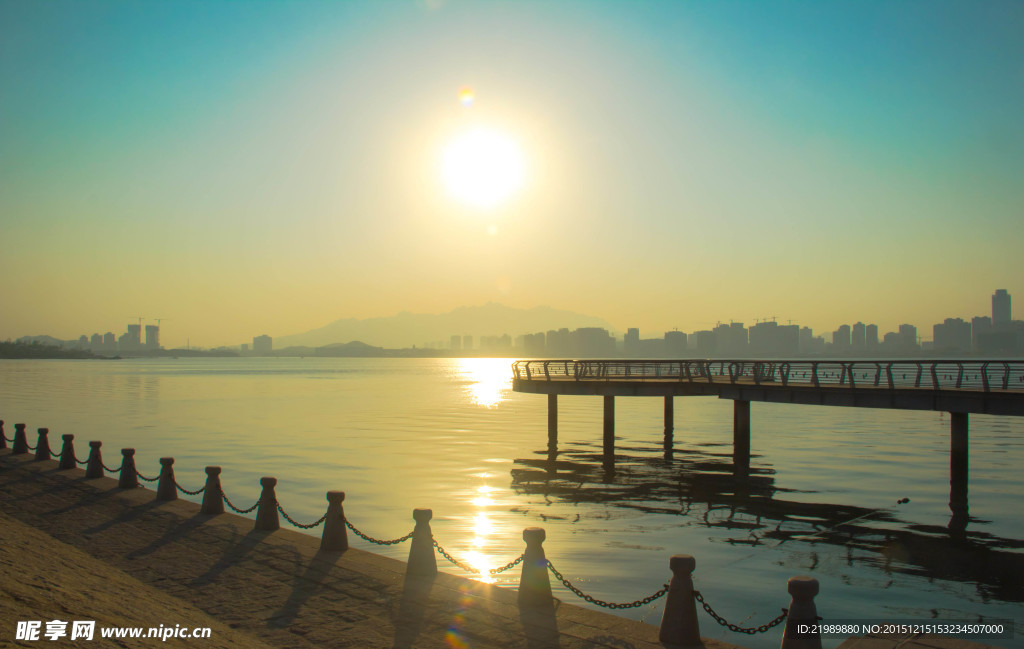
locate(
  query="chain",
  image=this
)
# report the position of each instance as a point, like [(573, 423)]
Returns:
[(81, 462), (444, 553), (508, 566), (191, 493), (240, 511), (377, 541), (739, 629), (52, 453), (117, 470), (31, 448), (145, 478), (592, 600), (296, 523)]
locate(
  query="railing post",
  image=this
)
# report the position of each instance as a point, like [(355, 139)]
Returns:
[(335, 536), (20, 444), (165, 489), (534, 586), (679, 621), (67, 452), (94, 469), (422, 562), (129, 477), (3, 438), (802, 611), (266, 513), (43, 445), (213, 496)]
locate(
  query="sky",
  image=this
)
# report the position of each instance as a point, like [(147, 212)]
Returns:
[(246, 168)]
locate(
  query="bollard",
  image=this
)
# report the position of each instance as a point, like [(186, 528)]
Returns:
[(534, 587), (43, 445), (335, 536), (802, 611), (165, 489), (67, 453), (20, 441), (3, 436), (679, 621), (94, 469), (129, 476), (213, 499), (266, 513), (422, 562)]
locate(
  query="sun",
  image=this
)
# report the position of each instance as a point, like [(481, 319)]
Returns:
[(483, 167)]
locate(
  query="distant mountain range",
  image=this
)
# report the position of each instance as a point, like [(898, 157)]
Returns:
[(407, 329)]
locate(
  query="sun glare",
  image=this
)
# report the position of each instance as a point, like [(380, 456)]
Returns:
[(483, 167)]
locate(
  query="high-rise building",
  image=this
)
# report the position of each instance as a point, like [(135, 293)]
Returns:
[(953, 335), (631, 342), (981, 328), (908, 337), (1001, 316), (841, 338), (871, 337), (859, 338), (262, 344), (152, 337), (675, 344)]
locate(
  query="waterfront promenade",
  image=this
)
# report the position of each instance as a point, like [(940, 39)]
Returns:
[(85, 549)]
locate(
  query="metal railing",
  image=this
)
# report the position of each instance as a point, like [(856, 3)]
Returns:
[(972, 375)]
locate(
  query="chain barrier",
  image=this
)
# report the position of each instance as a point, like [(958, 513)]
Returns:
[(191, 493), (298, 524), (52, 454), (377, 541), (508, 566), (81, 462), (32, 448), (108, 469), (145, 478), (9, 439), (593, 600), (237, 510), (736, 628), (444, 553)]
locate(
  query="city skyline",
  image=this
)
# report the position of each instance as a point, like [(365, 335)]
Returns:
[(249, 168)]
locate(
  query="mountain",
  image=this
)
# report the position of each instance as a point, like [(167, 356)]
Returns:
[(407, 329)]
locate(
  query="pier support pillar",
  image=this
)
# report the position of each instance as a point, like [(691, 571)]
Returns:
[(741, 437), (958, 446), (670, 417), (552, 419), (609, 428)]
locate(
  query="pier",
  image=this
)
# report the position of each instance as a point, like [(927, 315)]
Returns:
[(959, 387)]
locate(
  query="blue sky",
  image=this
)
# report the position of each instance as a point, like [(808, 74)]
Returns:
[(268, 167)]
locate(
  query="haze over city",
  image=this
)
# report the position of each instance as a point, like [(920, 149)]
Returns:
[(247, 168)]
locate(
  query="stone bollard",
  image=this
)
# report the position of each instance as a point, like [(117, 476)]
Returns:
[(422, 562), (534, 586), (43, 445), (335, 536), (165, 489), (213, 498), (129, 476), (679, 622), (801, 611), (94, 468), (20, 441), (266, 513), (3, 436), (67, 453)]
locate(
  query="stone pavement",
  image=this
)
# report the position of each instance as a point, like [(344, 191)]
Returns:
[(85, 549)]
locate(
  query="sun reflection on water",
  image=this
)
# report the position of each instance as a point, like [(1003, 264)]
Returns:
[(490, 379)]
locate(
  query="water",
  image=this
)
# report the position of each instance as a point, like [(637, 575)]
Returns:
[(450, 435)]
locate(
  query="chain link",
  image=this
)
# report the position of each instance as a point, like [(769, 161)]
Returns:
[(81, 462), (592, 600), (733, 627), (444, 553), (52, 454), (191, 493), (377, 541), (31, 448), (298, 524), (108, 469), (145, 478), (240, 511), (508, 566)]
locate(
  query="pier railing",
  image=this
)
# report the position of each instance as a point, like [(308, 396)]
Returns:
[(679, 625), (967, 375)]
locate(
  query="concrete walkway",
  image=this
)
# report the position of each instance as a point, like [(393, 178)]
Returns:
[(72, 548)]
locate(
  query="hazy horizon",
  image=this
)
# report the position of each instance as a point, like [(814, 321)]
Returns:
[(239, 169)]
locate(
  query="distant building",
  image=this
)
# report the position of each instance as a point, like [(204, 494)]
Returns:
[(631, 342), (262, 344), (675, 344), (152, 337), (871, 337), (96, 342), (859, 338), (841, 339), (467, 343), (109, 343), (456, 343), (731, 339), (244, 347), (908, 337), (704, 342), (1001, 315), (981, 329), (953, 335)]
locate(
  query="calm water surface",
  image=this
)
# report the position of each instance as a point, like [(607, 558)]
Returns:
[(450, 435)]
